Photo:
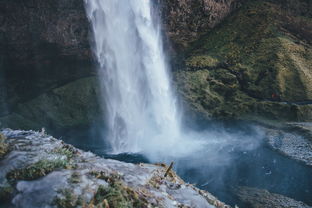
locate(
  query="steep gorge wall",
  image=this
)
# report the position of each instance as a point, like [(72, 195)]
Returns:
[(44, 53), (186, 20), (254, 65), (48, 72), (45, 57)]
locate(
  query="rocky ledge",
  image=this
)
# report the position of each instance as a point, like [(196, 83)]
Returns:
[(293, 141), (259, 198), (37, 170)]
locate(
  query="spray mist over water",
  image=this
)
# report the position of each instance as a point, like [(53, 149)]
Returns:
[(142, 114), (141, 108), (143, 117)]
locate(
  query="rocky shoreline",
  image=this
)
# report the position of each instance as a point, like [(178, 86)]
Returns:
[(293, 141), (38, 170)]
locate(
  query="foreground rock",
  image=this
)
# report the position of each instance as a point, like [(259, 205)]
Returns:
[(259, 198), (38, 170)]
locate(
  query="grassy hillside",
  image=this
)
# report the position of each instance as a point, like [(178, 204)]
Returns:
[(256, 64)]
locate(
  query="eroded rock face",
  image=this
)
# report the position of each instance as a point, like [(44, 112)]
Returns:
[(186, 20), (256, 64), (44, 44), (72, 105), (41, 171)]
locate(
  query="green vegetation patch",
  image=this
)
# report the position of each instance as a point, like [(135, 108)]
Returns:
[(249, 64), (118, 196), (4, 147), (68, 199), (37, 170), (66, 150), (115, 195), (6, 192), (202, 61)]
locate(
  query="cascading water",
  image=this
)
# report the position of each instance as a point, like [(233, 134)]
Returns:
[(141, 108)]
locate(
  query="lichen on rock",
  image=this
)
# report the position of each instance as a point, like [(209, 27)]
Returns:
[(41, 171), (3, 146)]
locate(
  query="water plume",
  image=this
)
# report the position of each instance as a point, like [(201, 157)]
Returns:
[(140, 105)]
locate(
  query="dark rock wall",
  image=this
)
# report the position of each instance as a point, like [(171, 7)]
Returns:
[(44, 49), (44, 44), (186, 20)]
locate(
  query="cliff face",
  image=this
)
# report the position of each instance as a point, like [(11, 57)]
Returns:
[(186, 20), (45, 50), (44, 46), (256, 64), (258, 51)]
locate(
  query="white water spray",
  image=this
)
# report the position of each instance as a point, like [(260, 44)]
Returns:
[(141, 108)]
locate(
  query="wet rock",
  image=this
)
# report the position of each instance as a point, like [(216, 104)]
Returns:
[(304, 128), (72, 105), (259, 198), (291, 144), (186, 20), (42, 171)]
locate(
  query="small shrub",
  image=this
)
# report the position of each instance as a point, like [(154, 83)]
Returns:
[(6, 192), (3, 146), (36, 170), (69, 200)]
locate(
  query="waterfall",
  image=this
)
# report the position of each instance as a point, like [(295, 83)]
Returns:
[(141, 109)]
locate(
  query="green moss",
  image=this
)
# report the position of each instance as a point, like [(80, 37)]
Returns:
[(108, 177), (232, 71), (68, 199), (75, 178), (6, 192), (118, 196), (72, 105), (202, 61), (3, 146), (37, 170), (66, 150)]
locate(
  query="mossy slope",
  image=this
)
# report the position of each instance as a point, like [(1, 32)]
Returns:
[(258, 63)]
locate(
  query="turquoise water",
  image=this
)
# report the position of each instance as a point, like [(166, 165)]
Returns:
[(260, 168)]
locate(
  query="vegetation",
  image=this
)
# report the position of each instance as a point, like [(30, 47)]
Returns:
[(37, 170), (6, 192), (3, 146), (114, 195), (68, 199), (249, 63), (66, 150)]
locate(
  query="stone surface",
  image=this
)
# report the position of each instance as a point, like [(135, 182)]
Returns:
[(72, 105), (186, 20), (41, 171), (259, 198), (44, 44), (292, 142)]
